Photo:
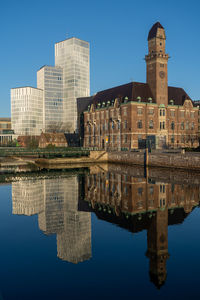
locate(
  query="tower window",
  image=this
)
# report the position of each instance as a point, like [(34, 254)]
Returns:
[(162, 112), (139, 124), (162, 65)]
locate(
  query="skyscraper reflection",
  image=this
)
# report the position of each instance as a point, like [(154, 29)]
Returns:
[(56, 203)]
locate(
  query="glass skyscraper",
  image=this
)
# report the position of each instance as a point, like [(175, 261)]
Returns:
[(50, 80), (73, 56)]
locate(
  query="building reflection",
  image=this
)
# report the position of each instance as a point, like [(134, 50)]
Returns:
[(56, 203), (125, 196)]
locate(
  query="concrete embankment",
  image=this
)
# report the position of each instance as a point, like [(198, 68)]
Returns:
[(188, 161)]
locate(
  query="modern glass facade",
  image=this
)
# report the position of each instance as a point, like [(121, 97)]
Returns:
[(52, 106), (27, 110), (73, 56), (50, 80)]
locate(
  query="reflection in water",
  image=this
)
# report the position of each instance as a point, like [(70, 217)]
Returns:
[(56, 203), (123, 196)]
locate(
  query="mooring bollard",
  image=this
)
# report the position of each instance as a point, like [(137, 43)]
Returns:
[(146, 162)]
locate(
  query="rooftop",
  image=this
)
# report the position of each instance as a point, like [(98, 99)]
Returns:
[(153, 30)]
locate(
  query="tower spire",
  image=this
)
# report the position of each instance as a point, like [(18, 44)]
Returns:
[(156, 61)]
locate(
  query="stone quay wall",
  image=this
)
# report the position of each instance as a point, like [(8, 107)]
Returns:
[(169, 160)]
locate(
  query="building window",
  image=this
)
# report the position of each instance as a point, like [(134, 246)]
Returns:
[(172, 126), (151, 124), (172, 139), (182, 125), (139, 111), (113, 139), (113, 125), (118, 124), (162, 188), (125, 124), (106, 127), (192, 114), (162, 112), (151, 111), (182, 114), (162, 125), (125, 111), (192, 125), (172, 113), (182, 139), (139, 124), (140, 190), (125, 138), (162, 202), (187, 125), (151, 190)]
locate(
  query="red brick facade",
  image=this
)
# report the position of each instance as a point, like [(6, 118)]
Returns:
[(55, 139), (129, 115)]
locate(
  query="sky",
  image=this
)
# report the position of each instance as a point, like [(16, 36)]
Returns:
[(116, 30)]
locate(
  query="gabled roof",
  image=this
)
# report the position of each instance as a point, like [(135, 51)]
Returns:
[(178, 95), (133, 90), (153, 30), (53, 137)]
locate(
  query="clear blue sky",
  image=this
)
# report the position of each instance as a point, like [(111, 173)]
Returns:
[(117, 32)]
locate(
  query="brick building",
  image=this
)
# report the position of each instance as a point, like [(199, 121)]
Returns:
[(138, 114), (141, 203), (55, 139)]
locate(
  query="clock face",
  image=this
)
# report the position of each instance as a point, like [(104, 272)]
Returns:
[(162, 74)]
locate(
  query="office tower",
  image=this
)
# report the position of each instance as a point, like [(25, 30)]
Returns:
[(73, 56), (27, 110), (74, 242), (50, 80), (51, 218), (27, 197)]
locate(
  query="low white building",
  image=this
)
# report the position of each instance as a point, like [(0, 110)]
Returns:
[(27, 110)]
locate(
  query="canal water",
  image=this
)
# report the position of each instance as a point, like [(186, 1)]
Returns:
[(109, 232)]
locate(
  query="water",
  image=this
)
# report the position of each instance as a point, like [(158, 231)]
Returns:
[(116, 232)]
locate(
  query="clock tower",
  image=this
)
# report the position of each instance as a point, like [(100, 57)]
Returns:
[(156, 62)]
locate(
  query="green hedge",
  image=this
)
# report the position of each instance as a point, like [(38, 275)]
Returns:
[(44, 153)]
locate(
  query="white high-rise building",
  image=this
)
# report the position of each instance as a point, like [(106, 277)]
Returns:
[(50, 80), (73, 56), (27, 110), (52, 105)]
